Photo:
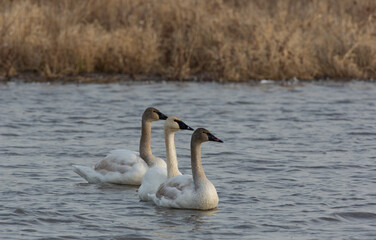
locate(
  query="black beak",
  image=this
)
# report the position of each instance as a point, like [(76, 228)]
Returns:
[(183, 126), (161, 116), (214, 138)]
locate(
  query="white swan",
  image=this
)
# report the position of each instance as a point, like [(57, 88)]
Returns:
[(155, 176), (124, 166), (184, 191)]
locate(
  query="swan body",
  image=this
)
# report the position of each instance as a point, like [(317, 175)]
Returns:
[(190, 192), (155, 176), (181, 192), (121, 166), (124, 166)]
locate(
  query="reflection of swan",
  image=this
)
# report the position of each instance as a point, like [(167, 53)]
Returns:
[(155, 176), (192, 220), (124, 166), (184, 191), (188, 214)]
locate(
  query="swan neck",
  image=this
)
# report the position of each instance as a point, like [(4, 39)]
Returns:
[(172, 160), (197, 170), (145, 150)]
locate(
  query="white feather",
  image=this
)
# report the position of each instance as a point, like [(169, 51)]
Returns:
[(120, 166), (151, 182), (180, 192)]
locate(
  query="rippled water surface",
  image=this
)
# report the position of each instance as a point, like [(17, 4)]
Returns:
[(298, 162)]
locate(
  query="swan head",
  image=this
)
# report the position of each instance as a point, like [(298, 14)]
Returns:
[(203, 135), (152, 114), (174, 123)]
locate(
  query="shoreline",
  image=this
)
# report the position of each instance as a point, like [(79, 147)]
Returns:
[(106, 78)]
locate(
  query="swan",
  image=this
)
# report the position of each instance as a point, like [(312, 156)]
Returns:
[(185, 191), (155, 176), (124, 166)]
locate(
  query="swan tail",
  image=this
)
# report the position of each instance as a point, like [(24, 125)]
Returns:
[(88, 173)]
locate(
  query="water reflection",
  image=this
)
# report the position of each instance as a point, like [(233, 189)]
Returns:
[(191, 220)]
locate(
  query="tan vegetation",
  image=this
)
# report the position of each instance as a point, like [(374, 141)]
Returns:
[(233, 40)]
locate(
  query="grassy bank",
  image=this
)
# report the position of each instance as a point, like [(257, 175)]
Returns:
[(233, 40)]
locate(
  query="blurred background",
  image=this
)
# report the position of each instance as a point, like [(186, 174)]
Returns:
[(224, 40)]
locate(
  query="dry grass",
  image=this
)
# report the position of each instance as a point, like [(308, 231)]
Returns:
[(233, 40)]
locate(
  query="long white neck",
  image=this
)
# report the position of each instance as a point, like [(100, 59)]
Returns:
[(172, 159), (197, 170), (145, 150)]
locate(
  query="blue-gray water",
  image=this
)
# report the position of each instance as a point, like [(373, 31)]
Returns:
[(298, 162)]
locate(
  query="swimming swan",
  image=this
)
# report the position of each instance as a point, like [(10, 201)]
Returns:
[(155, 176), (124, 166), (184, 191)]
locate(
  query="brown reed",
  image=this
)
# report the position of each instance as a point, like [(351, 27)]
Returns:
[(229, 40)]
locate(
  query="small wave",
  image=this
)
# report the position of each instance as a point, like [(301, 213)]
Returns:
[(329, 219), (66, 131), (136, 236), (245, 226), (329, 114), (286, 227), (55, 220), (12, 126), (10, 134), (81, 217), (293, 119), (224, 153), (362, 133), (241, 103), (344, 101), (269, 139), (30, 230), (356, 215), (312, 167)]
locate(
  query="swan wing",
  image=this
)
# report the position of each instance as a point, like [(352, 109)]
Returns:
[(175, 192), (119, 166), (123, 157)]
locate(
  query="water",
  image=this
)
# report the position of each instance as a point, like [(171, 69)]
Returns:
[(298, 162)]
